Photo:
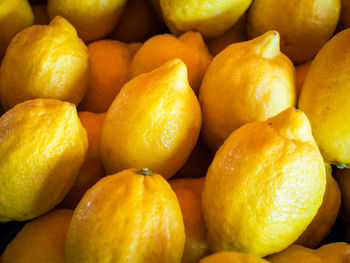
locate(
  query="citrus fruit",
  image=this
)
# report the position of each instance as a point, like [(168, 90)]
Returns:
[(189, 47), (189, 195), (304, 26), (232, 257), (323, 96), (262, 174), (325, 218), (41, 240), (15, 15), (153, 122), (44, 62), (233, 35), (93, 19), (295, 253), (110, 68), (131, 216), (209, 17), (338, 252), (43, 145), (301, 72), (92, 169), (247, 81)]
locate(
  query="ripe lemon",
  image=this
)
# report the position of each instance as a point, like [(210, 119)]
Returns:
[(189, 47), (44, 62), (235, 34), (92, 168), (15, 15), (325, 218), (232, 257), (304, 25), (209, 17), (189, 194), (325, 92), (41, 240), (295, 253), (110, 69), (301, 72), (247, 81), (93, 19), (264, 186), (153, 122), (131, 216), (338, 252), (43, 145), (138, 22)]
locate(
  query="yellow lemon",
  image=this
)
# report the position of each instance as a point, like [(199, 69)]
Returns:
[(338, 252), (131, 216), (93, 19), (325, 218), (92, 168), (233, 35), (15, 15), (301, 72), (264, 186), (304, 25), (138, 22), (189, 47), (110, 69), (343, 179), (153, 122), (189, 194), (41, 240), (44, 62), (295, 253), (209, 17), (247, 81), (323, 96), (43, 145), (345, 13), (40, 14), (232, 257)]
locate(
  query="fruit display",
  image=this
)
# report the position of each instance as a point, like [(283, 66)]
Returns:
[(174, 131)]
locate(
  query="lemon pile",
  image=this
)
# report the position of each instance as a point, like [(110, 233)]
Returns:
[(175, 131)]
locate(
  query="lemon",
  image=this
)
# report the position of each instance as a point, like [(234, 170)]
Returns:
[(43, 145), (323, 96), (44, 62), (189, 194), (338, 252), (305, 26), (295, 253), (131, 216), (247, 81), (232, 257), (189, 47), (209, 17), (41, 240), (92, 169), (110, 62), (93, 19), (264, 186), (343, 178), (15, 15), (153, 122)]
